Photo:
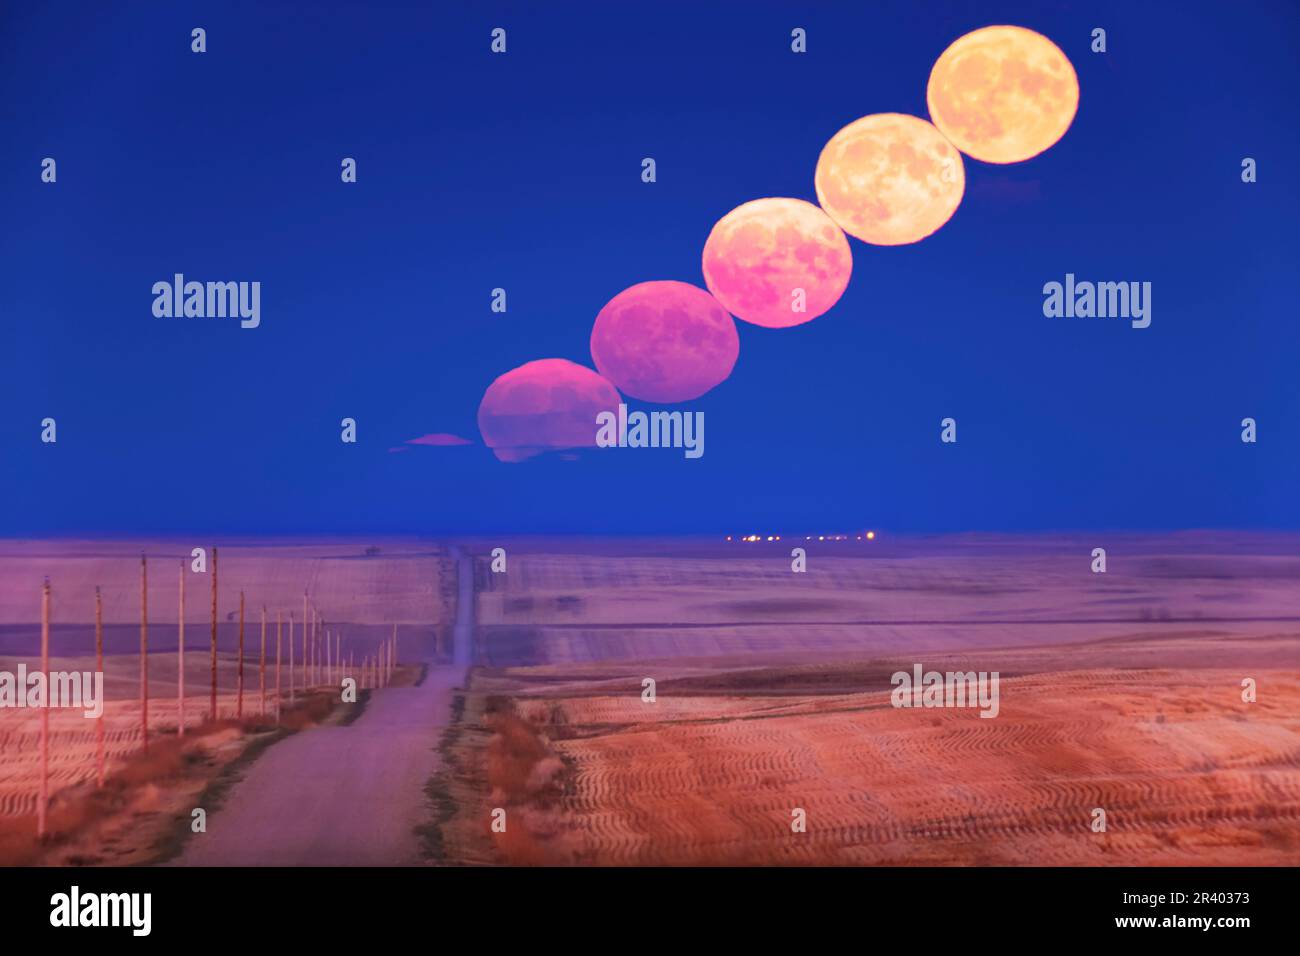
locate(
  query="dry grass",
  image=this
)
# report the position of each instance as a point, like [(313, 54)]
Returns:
[(521, 779), (132, 819)]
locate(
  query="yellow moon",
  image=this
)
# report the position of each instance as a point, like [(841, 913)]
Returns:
[(889, 179), (1003, 94)]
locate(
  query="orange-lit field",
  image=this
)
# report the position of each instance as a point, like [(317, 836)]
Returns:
[(73, 745), (1186, 772), (772, 737), (361, 589), (1120, 693)]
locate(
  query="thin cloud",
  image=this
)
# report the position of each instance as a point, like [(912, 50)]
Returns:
[(439, 440)]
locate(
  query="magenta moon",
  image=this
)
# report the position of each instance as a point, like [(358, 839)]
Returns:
[(664, 341), (777, 262), (541, 406)]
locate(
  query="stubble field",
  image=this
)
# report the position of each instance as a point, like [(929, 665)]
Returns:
[(1119, 693)]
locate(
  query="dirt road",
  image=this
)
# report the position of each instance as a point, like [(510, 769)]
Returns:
[(343, 796)]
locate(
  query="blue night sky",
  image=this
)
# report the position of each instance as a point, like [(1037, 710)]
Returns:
[(523, 171)]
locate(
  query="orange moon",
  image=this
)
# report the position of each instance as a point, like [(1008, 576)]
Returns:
[(889, 179), (1003, 94)]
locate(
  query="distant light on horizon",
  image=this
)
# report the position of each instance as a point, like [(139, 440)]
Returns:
[(754, 537)]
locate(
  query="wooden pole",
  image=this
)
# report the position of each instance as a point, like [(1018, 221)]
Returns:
[(291, 682), (338, 657), (99, 666), (212, 706), (43, 800), (304, 642), (394, 644), (329, 658), (261, 669), (144, 652), (277, 666), (305, 629), (180, 658), (239, 692)]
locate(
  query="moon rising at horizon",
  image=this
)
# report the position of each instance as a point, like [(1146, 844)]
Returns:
[(543, 406)]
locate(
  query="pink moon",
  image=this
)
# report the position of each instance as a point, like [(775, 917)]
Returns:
[(541, 406), (664, 341), (777, 262)]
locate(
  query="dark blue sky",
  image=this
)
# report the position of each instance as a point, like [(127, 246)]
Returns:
[(523, 171)]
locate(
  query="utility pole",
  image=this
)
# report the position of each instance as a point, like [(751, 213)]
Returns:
[(212, 706)]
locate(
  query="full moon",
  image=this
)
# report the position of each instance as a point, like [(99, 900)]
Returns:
[(777, 262), (1003, 94), (541, 406), (664, 341), (890, 179)]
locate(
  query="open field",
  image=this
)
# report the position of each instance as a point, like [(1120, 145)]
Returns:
[(399, 584), (142, 813), (595, 601), (1186, 772), (361, 596), (1120, 692)]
